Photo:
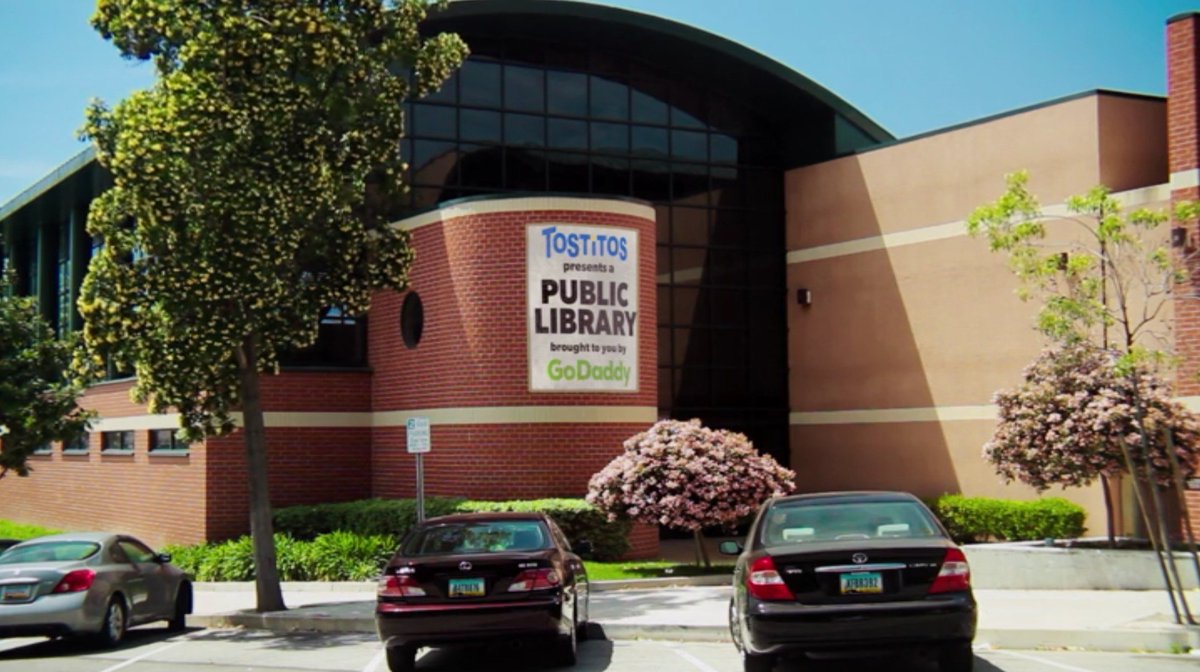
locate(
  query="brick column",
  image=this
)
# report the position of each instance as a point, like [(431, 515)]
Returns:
[(1183, 133)]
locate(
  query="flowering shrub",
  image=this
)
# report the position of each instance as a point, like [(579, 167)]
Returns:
[(686, 476), (1064, 425)]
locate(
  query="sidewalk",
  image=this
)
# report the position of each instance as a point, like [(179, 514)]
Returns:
[(1024, 619)]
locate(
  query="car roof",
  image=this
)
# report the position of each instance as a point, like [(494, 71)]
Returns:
[(97, 537), (848, 497), (485, 517)]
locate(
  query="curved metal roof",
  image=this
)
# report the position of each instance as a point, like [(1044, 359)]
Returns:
[(729, 63)]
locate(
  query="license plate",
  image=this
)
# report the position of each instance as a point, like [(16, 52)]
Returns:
[(19, 593), (466, 587), (860, 583)]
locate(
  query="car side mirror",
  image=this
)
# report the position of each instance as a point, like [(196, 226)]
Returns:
[(583, 547), (163, 558), (731, 547)]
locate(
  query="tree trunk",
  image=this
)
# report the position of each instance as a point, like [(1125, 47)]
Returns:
[(1109, 492), (1181, 493), (701, 551), (262, 532)]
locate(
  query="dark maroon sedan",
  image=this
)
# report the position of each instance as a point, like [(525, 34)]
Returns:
[(850, 573), (478, 578)]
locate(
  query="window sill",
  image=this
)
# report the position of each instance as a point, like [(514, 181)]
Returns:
[(75, 453), (116, 452), (170, 453)]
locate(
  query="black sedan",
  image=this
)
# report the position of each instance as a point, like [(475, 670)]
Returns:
[(850, 573), (478, 578)]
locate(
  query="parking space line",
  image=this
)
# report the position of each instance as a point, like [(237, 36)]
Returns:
[(1043, 661), (144, 656), (374, 664), (696, 662)]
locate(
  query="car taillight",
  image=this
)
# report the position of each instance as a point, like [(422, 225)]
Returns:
[(76, 581), (534, 579), (399, 585), (955, 575), (765, 583)]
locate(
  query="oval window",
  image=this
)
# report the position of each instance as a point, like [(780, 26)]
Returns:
[(412, 320)]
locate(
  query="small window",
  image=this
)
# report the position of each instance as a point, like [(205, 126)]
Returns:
[(44, 449), (166, 440), (78, 446), (116, 442), (412, 320)]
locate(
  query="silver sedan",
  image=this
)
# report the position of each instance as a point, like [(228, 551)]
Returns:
[(94, 584)]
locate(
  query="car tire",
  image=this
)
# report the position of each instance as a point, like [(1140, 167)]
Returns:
[(567, 646), (183, 606), (402, 658), (956, 658), (116, 622), (757, 662)]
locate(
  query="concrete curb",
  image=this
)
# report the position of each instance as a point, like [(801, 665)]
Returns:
[(1165, 638)]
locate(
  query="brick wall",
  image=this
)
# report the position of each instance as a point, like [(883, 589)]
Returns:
[(1183, 131), (159, 498)]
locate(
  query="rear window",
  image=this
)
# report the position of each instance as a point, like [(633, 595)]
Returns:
[(800, 522), (52, 551), (490, 537)]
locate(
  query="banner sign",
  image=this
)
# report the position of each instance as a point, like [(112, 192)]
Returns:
[(582, 299)]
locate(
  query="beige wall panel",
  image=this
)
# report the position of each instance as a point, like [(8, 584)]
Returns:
[(925, 458), (942, 177), (1133, 142), (934, 324)]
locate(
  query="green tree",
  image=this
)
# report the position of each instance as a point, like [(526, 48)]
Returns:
[(1106, 279), (253, 184), (37, 398)]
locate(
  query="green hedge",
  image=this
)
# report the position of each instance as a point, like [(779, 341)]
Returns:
[(337, 556), (395, 517), (979, 519), (10, 530)]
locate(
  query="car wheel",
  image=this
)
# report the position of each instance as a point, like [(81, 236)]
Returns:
[(956, 658), (183, 605), (733, 629), (568, 644), (757, 662), (402, 658), (112, 630)]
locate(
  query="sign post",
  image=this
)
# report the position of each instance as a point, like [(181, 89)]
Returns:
[(419, 444)]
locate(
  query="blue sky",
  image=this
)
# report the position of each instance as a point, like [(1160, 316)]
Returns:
[(911, 65)]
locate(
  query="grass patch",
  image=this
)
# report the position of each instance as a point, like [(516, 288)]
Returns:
[(650, 569), (10, 530)]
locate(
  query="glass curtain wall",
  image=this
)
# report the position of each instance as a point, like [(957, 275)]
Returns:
[(520, 118)]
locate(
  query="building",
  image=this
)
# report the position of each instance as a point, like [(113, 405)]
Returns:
[(809, 277)]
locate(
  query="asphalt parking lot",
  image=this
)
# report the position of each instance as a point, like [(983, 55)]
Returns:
[(155, 650)]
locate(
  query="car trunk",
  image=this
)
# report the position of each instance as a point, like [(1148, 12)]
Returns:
[(838, 573), (488, 578), (26, 582)]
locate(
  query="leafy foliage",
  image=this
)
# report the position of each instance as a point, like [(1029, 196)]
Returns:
[(395, 517), (686, 476), (11, 530), (252, 185), (1118, 273), (977, 519), (1065, 424), (37, 398), (338, 556)]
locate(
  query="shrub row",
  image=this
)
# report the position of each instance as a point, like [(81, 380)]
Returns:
[(979, 519), (336, 556), (10, 530), (395, 517)]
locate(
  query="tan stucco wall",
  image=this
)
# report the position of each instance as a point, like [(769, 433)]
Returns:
[(910, 313)]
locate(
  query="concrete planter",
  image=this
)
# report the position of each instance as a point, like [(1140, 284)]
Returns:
[(1035, 566)]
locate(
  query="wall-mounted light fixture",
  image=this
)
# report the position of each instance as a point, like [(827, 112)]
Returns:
[(804, 297), (1178, 236)]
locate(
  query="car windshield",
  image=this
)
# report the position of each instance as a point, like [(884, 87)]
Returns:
[(51, 551), (804, 521), (497, 536)]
